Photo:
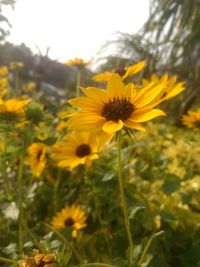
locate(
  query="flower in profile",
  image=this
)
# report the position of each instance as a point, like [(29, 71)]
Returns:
[(77, 62), (192, 119), (15, 65), (117, 107), (39, 260), (124, 73), (37, 158), (171, 90), (78, 148), (72, 217), (12, 110)]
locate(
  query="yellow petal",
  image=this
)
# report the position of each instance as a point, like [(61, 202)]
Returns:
[(134, 69), (142, 117), (135, 125), (102, 77), (116, 87), (111, 127)]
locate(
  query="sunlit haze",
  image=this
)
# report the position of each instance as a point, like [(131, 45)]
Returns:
[(73, 28)]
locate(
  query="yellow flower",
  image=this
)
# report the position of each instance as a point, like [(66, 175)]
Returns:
[(37, 158), (192, 120), (78, 148), (118, 106), (39, 260), (77, 62), (172, 87), (30, 86), (3, 71), (16, 65), (124, 73), (12, 109), (70, 216)]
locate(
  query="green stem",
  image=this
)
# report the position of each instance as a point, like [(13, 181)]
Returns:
[(78, 83), (73, 248), (95, 264), (148, 245), (55, 194), (7, 260), (123, 201), (20, 204)]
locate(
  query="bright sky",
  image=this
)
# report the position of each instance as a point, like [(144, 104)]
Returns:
[(74, 28)]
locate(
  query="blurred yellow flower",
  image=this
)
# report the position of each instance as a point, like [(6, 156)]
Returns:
[(192, 119), (72, 217), (15, 65), (3, 71), (12, 109), (37, 158), (77, 62), (124, 73), (39, 260), (172, 88), (118, 106), (29, 86), (78, 148)]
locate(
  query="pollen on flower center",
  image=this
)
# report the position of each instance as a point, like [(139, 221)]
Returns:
[(69, 222), (83, 150), (117, 109)]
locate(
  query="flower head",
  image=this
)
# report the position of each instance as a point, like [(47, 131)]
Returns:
[(37, 158), (13, 109), (124, 73), (78, 148), (39, 260), (77, 62), (192, 119), (70, 217), (171, 90), (117, 107)]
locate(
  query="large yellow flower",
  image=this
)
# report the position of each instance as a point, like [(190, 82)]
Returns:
[(78, 148), (12, 109), (118, 106), (37, 158), (70, 217), (192, 119), (124, 73)]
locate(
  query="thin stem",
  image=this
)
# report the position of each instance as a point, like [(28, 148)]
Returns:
[(32, 236), (148, 245), (78, 83), (123, 201), (7, 260), (20, 202), (78, 256)]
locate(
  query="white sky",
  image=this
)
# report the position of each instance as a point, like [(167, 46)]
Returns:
[(73, 28)]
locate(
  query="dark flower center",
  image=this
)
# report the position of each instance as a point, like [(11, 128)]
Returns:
[(117, 109), (69, 222), (39, 154), (83, 150), (121, 72)]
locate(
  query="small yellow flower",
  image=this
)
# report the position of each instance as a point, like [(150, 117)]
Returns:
[(37, 158), (118, 106), (192, 119), (15, 65), (70, 217), (30, 86), (77, 62), (39, 260), (124, 73), (12, 109), (78, 148), (3, 71)]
